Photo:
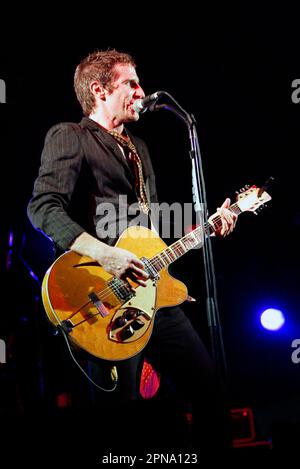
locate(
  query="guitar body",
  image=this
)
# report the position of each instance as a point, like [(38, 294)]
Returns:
[(79, 295)]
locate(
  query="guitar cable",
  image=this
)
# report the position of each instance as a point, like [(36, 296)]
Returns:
[(113, 371)]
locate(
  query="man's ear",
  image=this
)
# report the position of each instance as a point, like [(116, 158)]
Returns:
[(98, 90)]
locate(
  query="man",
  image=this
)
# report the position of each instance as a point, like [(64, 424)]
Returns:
[(88, 164)]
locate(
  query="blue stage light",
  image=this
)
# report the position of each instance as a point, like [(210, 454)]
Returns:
[(272, 319)]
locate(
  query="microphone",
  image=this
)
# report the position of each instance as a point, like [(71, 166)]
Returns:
[(141, 105)]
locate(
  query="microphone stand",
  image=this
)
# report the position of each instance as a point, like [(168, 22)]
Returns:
[(200, 204)]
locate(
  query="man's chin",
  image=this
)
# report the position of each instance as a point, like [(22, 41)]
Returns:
[(133, 117)]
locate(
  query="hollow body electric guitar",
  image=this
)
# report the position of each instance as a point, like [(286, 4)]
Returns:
[(112, 318)]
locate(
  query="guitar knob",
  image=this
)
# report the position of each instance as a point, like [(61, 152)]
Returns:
[(137, 324), (131, 313), (119, 322), (126, 333)]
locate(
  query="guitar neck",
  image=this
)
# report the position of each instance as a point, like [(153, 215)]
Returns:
[(189, 241)]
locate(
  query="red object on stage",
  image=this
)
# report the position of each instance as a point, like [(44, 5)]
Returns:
[(244, 434), (63, 400), (150, 381), (243, 425)]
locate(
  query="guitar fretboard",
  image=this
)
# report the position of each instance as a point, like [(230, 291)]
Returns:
[(188, 242)]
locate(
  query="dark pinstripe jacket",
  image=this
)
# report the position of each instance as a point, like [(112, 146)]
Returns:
[(82, 168)]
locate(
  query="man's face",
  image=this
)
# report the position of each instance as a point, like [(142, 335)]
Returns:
[(126, 89)]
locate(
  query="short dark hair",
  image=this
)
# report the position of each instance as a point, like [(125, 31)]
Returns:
[(98, 65)]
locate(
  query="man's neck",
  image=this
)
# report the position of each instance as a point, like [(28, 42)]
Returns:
[(106, 122)]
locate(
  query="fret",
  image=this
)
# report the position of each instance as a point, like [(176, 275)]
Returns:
[(177, 251), (157, 263), (189, 241), (165, 256), (180, 247), (161, 257), (185, 243), (171, 255), (235, 209), (193, 235)]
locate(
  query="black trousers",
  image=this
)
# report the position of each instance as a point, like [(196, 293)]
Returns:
[(190, 384)]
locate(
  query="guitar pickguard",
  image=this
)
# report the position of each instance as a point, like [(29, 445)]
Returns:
[(132, 320)]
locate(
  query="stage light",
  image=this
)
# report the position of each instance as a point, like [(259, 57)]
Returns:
[(272, 319)]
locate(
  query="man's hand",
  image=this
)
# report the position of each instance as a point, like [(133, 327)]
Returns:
[(123, 264), (228, 219), (119, 262)]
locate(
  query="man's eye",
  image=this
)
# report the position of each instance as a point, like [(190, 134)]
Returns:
[(131, 83)]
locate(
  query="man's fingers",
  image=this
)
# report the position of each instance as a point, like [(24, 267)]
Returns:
[(226, 203), (141, 273), (224, 227), (134, 278), (138, 263), (227, 217), (139, 268)]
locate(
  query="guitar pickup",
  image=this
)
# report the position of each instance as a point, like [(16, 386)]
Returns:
[(98, 304)]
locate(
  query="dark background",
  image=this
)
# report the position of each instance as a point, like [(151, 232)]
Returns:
[(232, 67)]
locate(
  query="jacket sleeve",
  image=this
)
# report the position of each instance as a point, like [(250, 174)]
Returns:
[(59, 171)]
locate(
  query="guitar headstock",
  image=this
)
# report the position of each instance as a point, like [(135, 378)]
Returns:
[(252, 199)]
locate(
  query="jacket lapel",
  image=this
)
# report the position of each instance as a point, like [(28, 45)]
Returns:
[(108, 140)]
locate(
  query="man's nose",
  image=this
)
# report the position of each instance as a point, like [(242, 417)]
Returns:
[(139, 92)]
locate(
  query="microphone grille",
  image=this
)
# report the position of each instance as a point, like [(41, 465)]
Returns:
[(138, 105)]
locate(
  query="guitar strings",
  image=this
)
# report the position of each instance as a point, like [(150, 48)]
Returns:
[(177, 246)]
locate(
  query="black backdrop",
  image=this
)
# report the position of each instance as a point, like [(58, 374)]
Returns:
[(233, 68)]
